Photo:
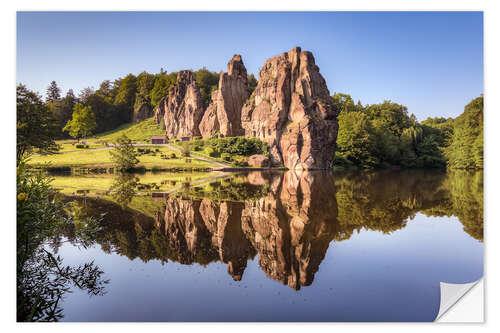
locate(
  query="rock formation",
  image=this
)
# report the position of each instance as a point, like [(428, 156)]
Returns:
[(291, 109), (159, 111), (223, 115), (182, 109), (143, 111), (258, 161)]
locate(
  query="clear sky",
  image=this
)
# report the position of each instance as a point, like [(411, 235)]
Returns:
[(430, 62)]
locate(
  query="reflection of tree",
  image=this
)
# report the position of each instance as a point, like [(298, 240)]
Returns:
[(466, 198), (123, 188), (384, 201), (289, 219), (44, 281)]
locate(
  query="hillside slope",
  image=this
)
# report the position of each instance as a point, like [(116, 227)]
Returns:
[(141, 131)]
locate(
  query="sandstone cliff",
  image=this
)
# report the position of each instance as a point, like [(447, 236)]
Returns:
[(291, 109), (182, 109), (223, 115)]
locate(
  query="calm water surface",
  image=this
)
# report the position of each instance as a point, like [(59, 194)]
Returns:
[(288, 246)]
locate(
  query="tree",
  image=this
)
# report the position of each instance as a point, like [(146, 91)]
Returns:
[(466, 148), (42, 279), (124, 154), (36, 125), (356, 139), (83, 122), (208, 82), (145, 83), (123, 188), (53, 92), (344, 103), (126, 90), (252, 83), (161, 86), (63, 109), (186, 149)]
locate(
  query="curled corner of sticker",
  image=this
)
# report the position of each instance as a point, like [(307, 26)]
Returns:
[(451, 293)]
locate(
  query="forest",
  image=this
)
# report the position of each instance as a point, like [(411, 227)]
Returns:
[(384, 135)]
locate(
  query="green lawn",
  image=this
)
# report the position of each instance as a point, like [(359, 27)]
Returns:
[(102, 158)]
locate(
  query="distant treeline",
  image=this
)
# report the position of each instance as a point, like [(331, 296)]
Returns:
[(384, 135), (113, 103)]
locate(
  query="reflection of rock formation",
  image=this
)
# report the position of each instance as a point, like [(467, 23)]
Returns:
[(291, 224), (289, 228), (292, 227)]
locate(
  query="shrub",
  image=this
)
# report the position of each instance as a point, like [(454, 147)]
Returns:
[(226, 157), (79, 145), (172, 155), (214, 153)]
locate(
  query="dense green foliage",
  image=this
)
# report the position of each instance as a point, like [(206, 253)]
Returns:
[(82, 123), (42, 279), (382, 135), (238, 145), (208, 82), (252, 83), (36, 126), (466, 148), (124, 155)]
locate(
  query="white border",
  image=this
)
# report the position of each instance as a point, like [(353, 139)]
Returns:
[(492, 121)]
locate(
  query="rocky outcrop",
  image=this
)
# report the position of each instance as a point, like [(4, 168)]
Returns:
[(142, 112), (258, 161), (159, 111), (223, 115), (291, 109), (209, 125), (182, 109)]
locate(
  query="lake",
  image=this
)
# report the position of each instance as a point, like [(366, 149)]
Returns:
[(278, 246)]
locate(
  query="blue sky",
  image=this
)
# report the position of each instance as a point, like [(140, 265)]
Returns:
[(430, 62)]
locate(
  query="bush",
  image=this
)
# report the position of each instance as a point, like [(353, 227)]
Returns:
[(239, 145), (226, 157), (213, 153), (172, 155), (80, 146)]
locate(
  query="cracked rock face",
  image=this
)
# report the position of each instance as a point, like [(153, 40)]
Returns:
[(291, 109), (182, 109), (223, 115)]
